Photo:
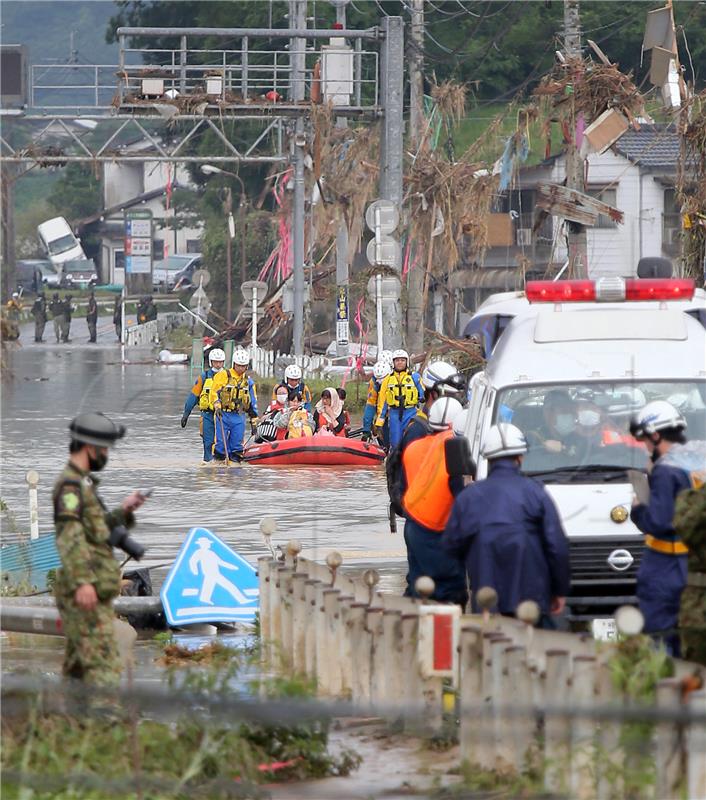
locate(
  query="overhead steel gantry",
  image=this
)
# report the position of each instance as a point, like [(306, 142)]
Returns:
[(187, 90)]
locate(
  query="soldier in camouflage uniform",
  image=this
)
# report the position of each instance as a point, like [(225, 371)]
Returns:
[(89, 577), (690, 523)]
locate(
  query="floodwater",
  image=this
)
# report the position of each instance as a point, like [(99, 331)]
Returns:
[(324, 508)]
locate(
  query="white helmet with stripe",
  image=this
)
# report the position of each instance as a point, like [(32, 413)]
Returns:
[(656, 416), (443, 413)]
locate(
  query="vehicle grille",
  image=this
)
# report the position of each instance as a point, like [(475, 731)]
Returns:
[(589, 561)]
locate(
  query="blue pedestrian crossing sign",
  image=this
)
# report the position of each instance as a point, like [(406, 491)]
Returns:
[(209, 582)]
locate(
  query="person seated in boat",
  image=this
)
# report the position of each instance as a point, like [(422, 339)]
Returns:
[(293, 381), (267, 430), (347, 427), (329, 416), (294, 421)]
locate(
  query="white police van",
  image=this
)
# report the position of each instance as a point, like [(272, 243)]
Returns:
[(570, 364)]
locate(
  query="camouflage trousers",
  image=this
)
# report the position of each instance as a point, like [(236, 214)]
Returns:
[(91, 653), (692, 624)]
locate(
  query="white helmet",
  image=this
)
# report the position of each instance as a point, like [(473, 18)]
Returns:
[(241, 357), (460, 421), (400, 354), (504, 440), (381, 369), (445, 374), (216, 355), (443, 413), (385, 355), (293, 372), (656, 416)]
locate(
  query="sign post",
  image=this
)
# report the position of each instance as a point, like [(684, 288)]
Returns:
[(138, 251)]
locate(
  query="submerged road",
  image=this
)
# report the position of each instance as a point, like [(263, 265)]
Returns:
[(45, 385)]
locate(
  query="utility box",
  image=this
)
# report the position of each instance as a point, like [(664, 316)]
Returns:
[(13, 75), (337, 72)]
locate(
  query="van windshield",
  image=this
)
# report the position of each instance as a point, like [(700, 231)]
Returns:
[(61, 245), (576, 430)]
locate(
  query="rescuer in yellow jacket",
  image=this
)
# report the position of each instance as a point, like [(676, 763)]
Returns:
[(399, 396), (200, 395), (233, 398)]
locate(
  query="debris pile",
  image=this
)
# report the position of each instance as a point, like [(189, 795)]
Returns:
[(691, 189)]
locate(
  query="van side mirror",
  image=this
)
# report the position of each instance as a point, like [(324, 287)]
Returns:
[(458, 457)]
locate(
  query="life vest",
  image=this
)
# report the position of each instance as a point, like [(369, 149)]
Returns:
[(205, 396), (427, 499), (373, 389), (235, 395), (611, 437), (299, 425), (401, 391)]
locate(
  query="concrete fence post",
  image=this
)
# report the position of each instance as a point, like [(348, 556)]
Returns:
[(470, 664), (583, 729), (345, 651), (501, 747), (360, 653), (393, 664), (377, 662), (322, 659), (696, 749), (264, 565), (300, 619), (611, 759), (275, 614), (557, 729), (310, 665), (668, 752), (333, 652), (285, 590), (485, 745), (523, 727), (411, 682)]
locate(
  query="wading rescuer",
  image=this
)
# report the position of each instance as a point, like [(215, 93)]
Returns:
[(661, 576), (381, 369), (507, 531), (233, 399), (400, 394), (86, 533), (427, 497), (294, 382), (201, 394)]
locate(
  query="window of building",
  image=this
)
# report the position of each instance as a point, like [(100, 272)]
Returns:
[(157, 249), (606, 196), (671, 223), (119, 256), (193, 245)]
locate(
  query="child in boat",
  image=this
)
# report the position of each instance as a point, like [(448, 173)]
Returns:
[(295, 420), (267, 431), (329, 416)]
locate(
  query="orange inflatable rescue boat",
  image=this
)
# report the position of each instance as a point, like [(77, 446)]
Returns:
[(316, 451)]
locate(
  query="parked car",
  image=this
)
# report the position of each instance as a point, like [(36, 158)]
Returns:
[(59, 241), (80, 273), (175, 269), (33, 273)]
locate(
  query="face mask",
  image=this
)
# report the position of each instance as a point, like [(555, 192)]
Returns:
[(281, 399), (216, 370), (589, 418), (97, 463), (564, 423)]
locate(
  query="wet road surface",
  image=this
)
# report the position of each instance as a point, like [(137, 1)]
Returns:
[(325, 508)]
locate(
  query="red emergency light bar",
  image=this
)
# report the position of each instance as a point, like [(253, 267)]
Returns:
[(610, 290)]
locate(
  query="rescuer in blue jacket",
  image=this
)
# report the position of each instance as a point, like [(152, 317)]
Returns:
[(507, 530), (201, 394), (661, 577)]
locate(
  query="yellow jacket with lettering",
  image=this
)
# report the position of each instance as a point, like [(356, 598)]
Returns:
[(399, 390), (234, 392)]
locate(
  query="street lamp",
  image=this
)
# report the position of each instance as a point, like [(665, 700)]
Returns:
[(210, 169)]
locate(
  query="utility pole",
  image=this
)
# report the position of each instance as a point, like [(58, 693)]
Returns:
[(575, 166), (342, 266), (297, 53), (227, 209), (415, 277), (392, 101)]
